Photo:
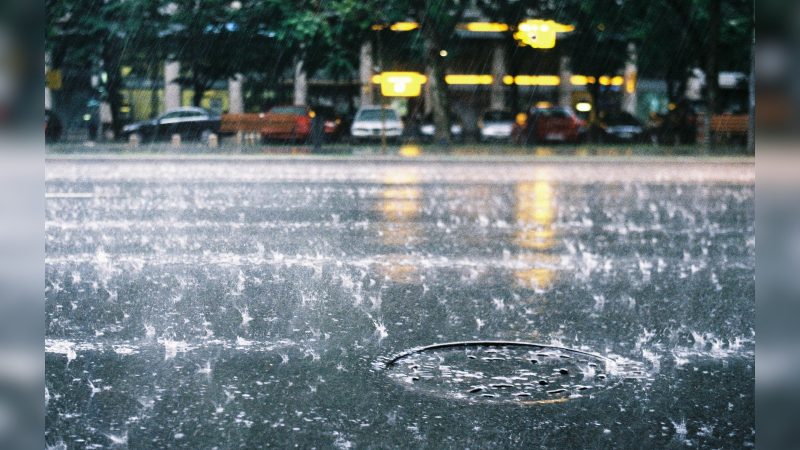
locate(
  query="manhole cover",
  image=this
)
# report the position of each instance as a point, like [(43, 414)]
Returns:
[(499, 371)]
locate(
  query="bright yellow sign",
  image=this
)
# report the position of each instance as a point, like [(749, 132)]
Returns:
[(400, 84), (539, 33)]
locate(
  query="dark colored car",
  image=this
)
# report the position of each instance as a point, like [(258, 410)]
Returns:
[(621, 127), (677, 126), (188, 122), (333, 124), (52, 127), (426, 128), (553, 124)]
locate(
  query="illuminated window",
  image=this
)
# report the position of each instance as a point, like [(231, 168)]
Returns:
[(468, 79), (484, 27)]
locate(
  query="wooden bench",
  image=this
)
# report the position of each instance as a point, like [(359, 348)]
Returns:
[(730, 124), (244, 123)]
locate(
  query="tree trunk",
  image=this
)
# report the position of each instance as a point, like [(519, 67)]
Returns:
[(514, 69), (300, 81), (439, 103), (154, 77), (712, 69), (197, 96), (594, 91), (751, 126), (111, 65)]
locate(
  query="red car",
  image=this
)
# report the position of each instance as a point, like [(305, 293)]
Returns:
[(296, 123), (554, 124), (287, 123)]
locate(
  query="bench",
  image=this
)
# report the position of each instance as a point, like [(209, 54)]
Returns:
[(730, 124), (244, 123)]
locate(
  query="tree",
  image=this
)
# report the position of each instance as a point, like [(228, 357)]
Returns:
[(206, 39), (437, 21), (98, 36)]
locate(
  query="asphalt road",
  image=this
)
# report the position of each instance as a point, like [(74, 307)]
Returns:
[(223, 302)]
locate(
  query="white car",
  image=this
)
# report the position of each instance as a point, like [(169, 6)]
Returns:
[(372, 122), (495, 125)]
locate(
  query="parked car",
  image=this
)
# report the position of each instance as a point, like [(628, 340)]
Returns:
[(551, 124), (495, 125), (287, 123), (332, 122), (188, 122), (618, 127), (371, 122), (677, 126), (52, 126), (427, 129)]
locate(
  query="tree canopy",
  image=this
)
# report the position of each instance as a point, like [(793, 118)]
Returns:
[(217, 39)]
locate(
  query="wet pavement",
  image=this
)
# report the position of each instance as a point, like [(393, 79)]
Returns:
[(250, 302)]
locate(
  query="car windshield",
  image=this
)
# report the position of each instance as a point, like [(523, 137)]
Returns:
[(498, 116), (622, 119), (558, 113), (376, 115), (298, 110)]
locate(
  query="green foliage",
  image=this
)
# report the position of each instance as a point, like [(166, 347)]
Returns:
[(216, 39)]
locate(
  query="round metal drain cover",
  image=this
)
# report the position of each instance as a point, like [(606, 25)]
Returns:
[(499, 371)]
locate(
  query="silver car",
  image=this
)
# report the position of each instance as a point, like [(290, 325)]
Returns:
[(373, 122), (495, 125)]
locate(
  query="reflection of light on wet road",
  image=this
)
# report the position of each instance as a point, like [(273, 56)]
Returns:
[(542, 274), (410, 151), (397, 269), (535, 214), (400, 206)]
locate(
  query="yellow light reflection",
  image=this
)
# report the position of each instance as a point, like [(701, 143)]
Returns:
[(484, 27), (410, 151), (612, 81), (542, 274), (404, 26), (579, 80), (630, 84), (400, 205), (465, 79), (535, 214), (537, 80), (397, 269)]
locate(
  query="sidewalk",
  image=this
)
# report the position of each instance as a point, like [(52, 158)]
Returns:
[(406, 151)]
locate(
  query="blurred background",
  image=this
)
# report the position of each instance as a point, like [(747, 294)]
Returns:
[(663, 72), (672, 65)]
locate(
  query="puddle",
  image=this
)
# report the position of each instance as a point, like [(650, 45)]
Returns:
[(500, 371)]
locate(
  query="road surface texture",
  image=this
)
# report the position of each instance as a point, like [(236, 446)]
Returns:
[(223, 302)]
